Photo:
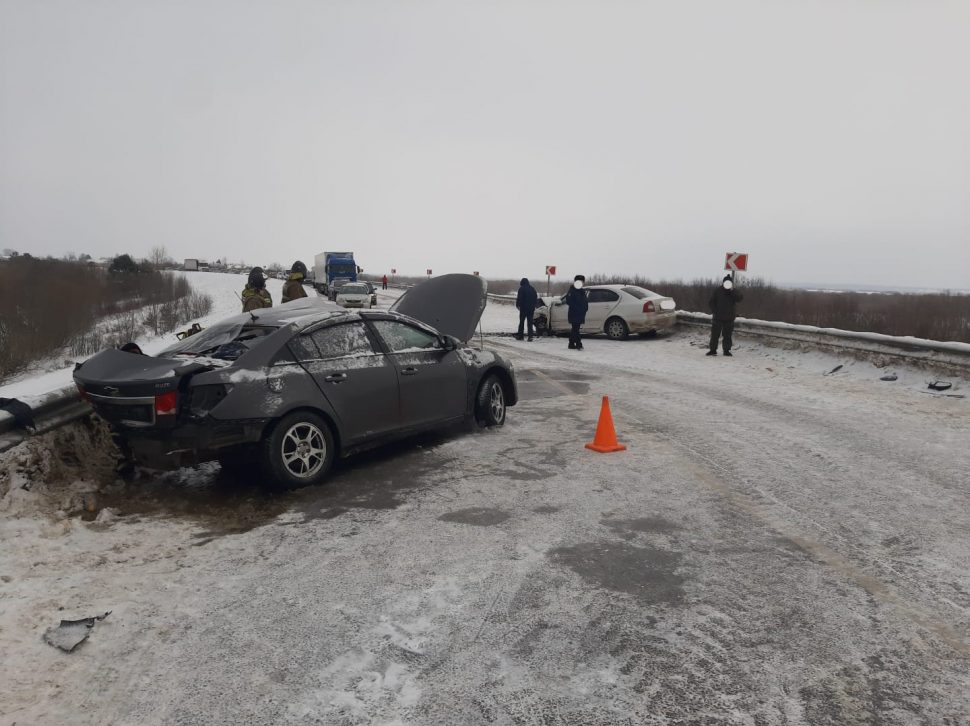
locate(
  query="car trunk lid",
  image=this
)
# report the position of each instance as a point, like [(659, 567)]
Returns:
[(134, 390)]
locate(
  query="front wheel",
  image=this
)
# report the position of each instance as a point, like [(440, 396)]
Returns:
[(298, 451), (490, 405), (541, 324), (616, 329)]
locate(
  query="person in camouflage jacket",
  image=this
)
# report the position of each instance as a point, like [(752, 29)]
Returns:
[(255, 295), (293, 287)]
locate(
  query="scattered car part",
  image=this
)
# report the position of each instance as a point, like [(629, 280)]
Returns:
[(940, 385), (23, 415), (71, 633)]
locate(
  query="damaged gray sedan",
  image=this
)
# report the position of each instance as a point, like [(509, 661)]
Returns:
[(289, 388)]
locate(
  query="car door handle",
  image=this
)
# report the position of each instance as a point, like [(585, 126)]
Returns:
[(336, 378), (409, 371)]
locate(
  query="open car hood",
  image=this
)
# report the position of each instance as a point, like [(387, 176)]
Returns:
[(452, 304)]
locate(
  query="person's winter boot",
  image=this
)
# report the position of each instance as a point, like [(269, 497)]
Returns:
[(728, 354), (711, 352), (579, 346), (572, 345), (518, 336), (530, 338)]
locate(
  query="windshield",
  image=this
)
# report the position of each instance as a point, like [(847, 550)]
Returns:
[(353, 289), (338, 269), (639, 293), (224, 340)]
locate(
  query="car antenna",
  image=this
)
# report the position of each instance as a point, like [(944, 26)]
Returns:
[(251, 313)]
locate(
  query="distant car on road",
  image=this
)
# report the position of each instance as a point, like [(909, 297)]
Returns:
[(335, 286), (373, 293), (354, 295), (284, 390), (616, 310)]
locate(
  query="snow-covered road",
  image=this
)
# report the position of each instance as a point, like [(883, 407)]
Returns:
[(776, 546)]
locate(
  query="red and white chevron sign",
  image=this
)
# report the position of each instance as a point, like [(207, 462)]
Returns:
[(736, 261)]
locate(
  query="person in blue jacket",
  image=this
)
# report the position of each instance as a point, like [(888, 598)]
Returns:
[(525, 301), (576, 300)]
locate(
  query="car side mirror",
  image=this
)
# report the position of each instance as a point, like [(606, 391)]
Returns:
[(448, 343)]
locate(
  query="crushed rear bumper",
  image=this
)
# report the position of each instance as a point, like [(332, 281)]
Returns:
[(191, 443)]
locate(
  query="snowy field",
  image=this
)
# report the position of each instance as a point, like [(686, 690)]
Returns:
[(225, 289), (780, 544)]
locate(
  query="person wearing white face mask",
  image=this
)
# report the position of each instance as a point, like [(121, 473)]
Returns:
[(578, 306), (722, 304)]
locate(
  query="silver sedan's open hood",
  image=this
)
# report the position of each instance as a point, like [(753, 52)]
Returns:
[(453, 304)]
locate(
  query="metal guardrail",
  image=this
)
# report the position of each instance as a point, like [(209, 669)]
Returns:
[(50, 411), (64, 405), (948, 354)]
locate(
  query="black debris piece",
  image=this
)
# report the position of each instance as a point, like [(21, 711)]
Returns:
[(71, 633), (834, 370), (940, 385), (23, 415), (889, 377)]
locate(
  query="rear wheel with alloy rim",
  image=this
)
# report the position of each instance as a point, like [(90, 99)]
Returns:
[(490, 404), (616, 329), (299, 451)]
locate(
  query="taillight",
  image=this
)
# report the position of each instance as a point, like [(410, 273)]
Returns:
[(648, 306), (166, 403)]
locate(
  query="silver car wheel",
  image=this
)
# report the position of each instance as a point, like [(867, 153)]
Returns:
[(304, 450), (616, 329), (496, 402)]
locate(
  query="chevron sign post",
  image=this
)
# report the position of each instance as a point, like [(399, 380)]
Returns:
[(550, 271), (736, 262)]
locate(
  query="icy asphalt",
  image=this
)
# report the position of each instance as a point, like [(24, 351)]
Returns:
[(776, 546)]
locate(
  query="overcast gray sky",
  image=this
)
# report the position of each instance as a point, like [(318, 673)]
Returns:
[(830, 139)]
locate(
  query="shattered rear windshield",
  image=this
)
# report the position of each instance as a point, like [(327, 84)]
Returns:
[(224, 340)]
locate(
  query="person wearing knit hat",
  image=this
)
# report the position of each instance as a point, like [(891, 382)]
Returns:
[(578, 306), (723, 302)]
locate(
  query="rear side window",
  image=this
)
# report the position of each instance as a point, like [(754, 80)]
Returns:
[(336, 341), (339, 341), (304, 348), (400, 337), (639, 293), (598, 296)]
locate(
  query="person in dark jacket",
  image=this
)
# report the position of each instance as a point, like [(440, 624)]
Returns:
[(255, 295), (293, 287), (722, 304), (525, 301), (576, 300)]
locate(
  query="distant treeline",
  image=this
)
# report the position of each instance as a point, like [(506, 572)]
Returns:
[(935, 316), (48, 306)]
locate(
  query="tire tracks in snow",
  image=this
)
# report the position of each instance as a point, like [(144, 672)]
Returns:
[(746, 495)]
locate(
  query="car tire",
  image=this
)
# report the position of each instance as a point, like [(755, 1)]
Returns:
[(616, 329), (299, 451), (490, 406)]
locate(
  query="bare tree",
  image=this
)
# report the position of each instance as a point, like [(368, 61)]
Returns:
[(158, 257)]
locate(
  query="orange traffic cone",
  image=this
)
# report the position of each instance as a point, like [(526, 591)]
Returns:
[(605, 440)]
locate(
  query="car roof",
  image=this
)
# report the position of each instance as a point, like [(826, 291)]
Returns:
[(302, 312), (621, 287)]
